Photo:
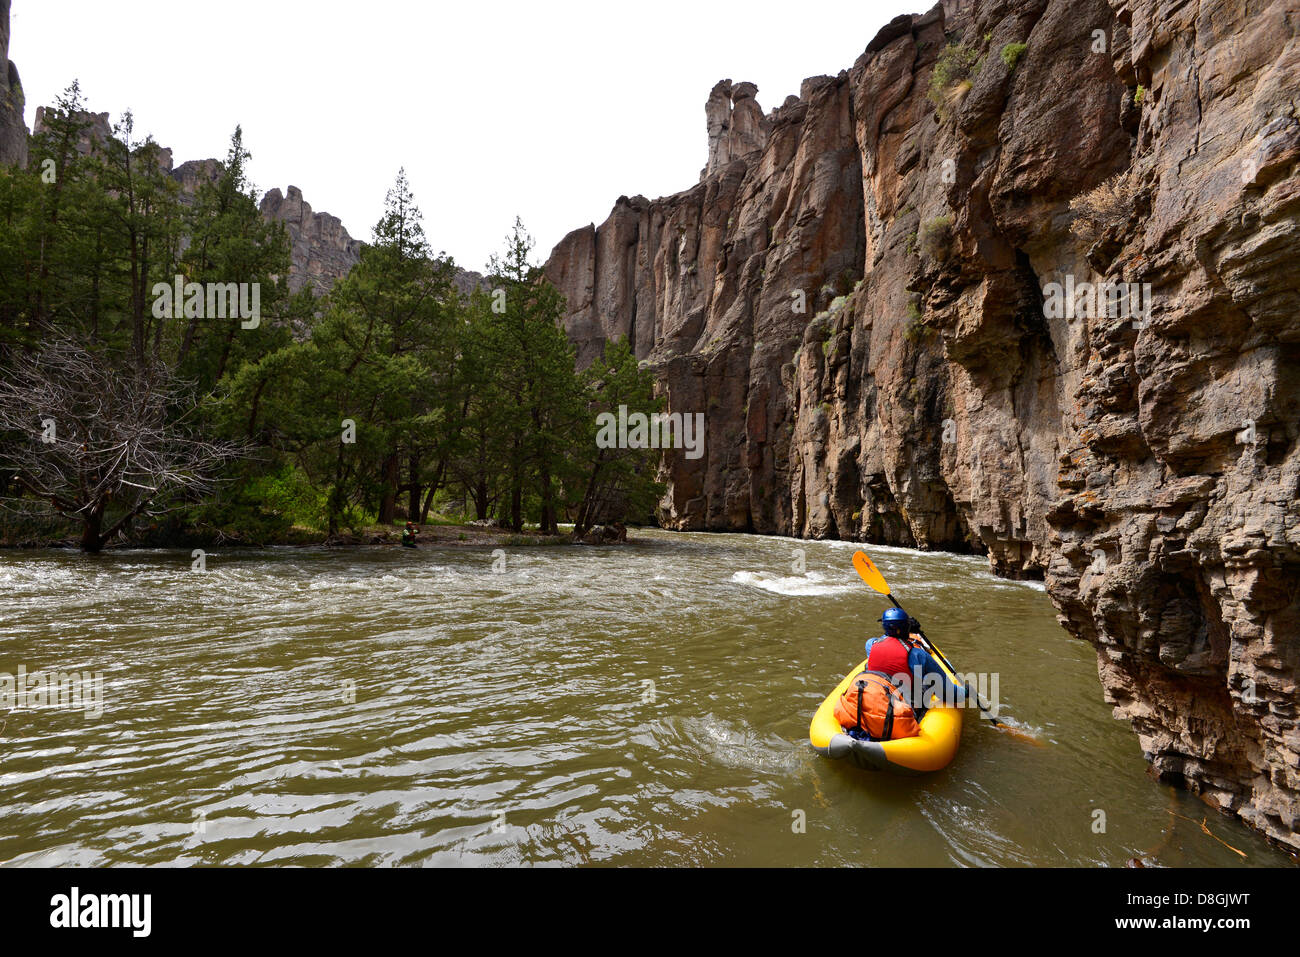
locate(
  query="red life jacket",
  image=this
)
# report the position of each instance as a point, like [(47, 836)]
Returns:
[(874, 705), (889, 657)]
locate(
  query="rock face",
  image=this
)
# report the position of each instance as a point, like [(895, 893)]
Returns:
[(95, 128), (737, 126), (192, 174), (861, 294), (13, 130), (322, 251)]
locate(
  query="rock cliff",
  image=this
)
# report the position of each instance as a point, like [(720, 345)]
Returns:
[(889, 298), (322, 251), (737, 126), (13, 130), (95, 127)]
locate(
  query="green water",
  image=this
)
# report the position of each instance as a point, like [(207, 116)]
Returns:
[(643, 705)]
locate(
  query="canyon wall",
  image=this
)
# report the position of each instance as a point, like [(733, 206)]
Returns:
[(13, 130), (321, 251), (858, 295)]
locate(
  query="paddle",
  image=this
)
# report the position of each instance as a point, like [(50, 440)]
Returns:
[(871, 575)]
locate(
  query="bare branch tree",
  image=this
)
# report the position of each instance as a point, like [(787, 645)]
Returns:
[(102, 443)]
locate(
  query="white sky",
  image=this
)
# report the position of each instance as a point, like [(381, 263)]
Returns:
[(547, 109)]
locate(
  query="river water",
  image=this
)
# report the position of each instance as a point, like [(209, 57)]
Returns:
[(637, 705)]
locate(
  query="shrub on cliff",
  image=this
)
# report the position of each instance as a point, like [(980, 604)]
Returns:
[(916, 331), (1011, 54), (950, 78), (1103, 208), (936, 238)]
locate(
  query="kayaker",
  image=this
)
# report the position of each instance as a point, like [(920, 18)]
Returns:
[(895, 654), (408, 535)]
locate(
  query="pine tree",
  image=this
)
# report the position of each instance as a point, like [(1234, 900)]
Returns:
[(140, 225), (539, 398), (403, 297), (620, 482), (50, 253), (385, 355), (228, 241)]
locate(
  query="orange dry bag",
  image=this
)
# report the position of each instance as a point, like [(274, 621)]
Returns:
[(874, 705)]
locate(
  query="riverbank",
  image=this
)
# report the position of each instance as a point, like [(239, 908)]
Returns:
[(435, 533)]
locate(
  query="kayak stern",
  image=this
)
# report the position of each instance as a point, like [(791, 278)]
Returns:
[(931, 750)]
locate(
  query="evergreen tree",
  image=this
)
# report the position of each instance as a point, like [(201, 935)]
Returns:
[(478, 456), (383, 355), (539, 400), (403, 303), (140, 224), (229, 242), (50, 251), (620, 482), (392, 385)]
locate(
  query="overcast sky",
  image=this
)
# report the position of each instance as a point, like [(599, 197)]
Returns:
[(546, 109)]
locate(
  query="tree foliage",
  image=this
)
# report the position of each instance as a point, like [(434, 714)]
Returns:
[(391, 395)]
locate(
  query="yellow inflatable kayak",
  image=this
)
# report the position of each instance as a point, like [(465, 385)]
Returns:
[(931, 750)]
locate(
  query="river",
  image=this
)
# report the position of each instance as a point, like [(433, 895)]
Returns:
[(637, 705)]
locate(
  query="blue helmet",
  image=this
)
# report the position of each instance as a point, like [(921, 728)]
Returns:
[(896, 622)]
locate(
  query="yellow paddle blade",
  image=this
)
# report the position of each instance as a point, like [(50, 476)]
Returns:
[(870, 573), (1023, 735)]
